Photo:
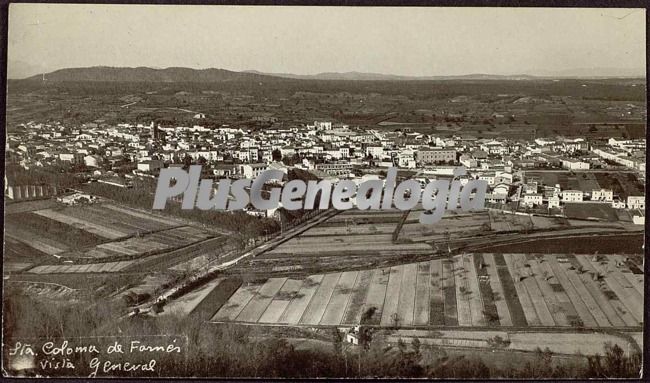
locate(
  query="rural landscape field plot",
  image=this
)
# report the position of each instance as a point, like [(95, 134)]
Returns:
[(101, 237), (117, 255), (348, 233), (452, 223), (585, 210), (109, 220), (468, 290)]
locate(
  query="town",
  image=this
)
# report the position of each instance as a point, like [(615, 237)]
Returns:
[(324, 192), (520, 174)]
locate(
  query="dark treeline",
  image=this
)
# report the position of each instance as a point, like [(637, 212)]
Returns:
[(59, 231), (241, 222), (246, 351)]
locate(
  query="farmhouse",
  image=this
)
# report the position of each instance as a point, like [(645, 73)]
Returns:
[(553, 202), (573, 164), (602, 195), (353, 335), (636, 202), (532, 199), (572, 196), (150, 165)]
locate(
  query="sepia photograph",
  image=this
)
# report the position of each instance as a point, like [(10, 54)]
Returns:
[(227, 191)]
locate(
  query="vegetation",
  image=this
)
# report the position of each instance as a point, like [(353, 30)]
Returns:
[(49, 228), (244, 351), (143, 199)]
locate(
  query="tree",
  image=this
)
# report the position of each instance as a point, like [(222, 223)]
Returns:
[(187, 161), (395, 319), (401, 346), (337, 341), (416, 346), (367, 315), (614, 364), (365, 337)]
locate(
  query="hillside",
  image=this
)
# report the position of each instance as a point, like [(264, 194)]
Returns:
[(362, 76), (143, 74), (213, 75)]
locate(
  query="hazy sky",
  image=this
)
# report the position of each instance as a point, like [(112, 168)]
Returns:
[(308, 40)]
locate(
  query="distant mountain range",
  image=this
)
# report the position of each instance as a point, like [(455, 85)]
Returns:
[(145, 74), (361, 76), (179, 74), (584, 73)]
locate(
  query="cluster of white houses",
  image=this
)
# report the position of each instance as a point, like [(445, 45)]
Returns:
[(329, 150), (557, 197)]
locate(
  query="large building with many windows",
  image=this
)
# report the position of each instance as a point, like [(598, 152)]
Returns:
[(435, 155), (341, 169)]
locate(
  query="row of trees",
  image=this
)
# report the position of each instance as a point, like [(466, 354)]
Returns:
[(143, 199)]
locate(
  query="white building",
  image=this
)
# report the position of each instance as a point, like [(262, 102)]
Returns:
[(488, 177), (66, 157), (323, 125), (532, 199), (573, 164), (92, 161), (602, 195), (572, 196), (636, 202), (554, 202), (638, 217), (376, 151), (253, 170), (150, 166), (618, 204), (501, 189)]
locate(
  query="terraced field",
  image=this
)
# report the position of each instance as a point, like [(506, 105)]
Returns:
[(468, 290)]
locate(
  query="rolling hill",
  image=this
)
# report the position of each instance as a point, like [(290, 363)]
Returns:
[(212, 75), (144, 74)]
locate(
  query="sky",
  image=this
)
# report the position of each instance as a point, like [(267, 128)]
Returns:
[(308, 40)]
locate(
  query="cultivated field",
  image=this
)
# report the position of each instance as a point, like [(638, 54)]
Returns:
[(347, 236), (132, 251), (39, 236), (468, 290), (356, 239)]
